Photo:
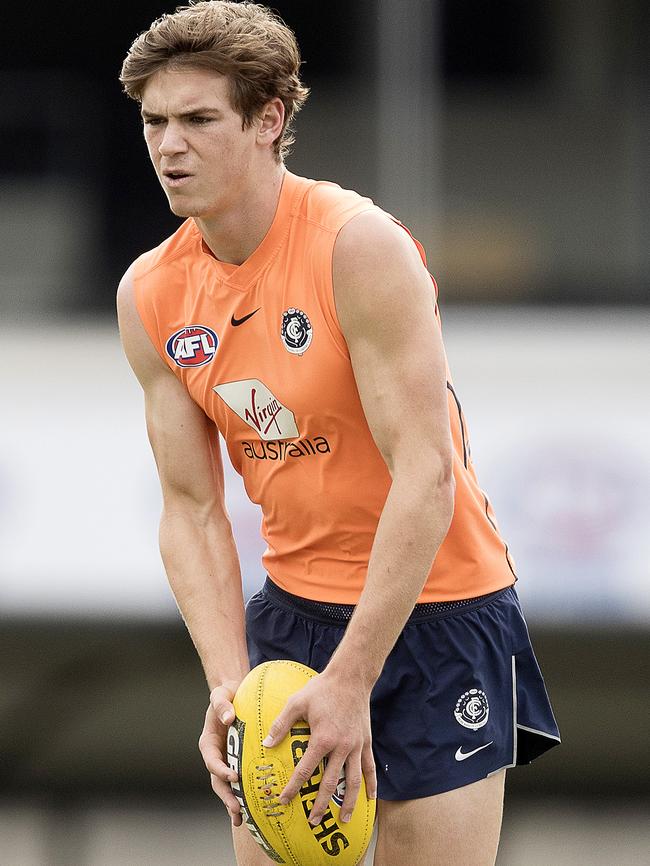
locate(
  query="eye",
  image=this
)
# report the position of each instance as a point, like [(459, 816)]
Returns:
[(199, 120), (152, 121)]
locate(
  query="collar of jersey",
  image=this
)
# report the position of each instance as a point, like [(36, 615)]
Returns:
[(243, 276)]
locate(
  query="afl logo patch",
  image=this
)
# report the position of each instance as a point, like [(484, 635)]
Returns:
[(192, 346), (472, 709), (296, 331)]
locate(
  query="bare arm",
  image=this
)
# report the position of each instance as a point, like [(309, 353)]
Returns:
[(384, 298), (196, 540), (385, 303)]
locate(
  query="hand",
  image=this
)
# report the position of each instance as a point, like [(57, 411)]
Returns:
[(212, 745), (338, 714)]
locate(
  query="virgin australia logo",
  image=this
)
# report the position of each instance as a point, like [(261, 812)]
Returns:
[(260, 409)]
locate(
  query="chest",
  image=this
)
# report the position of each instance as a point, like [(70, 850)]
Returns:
[(267, 363)]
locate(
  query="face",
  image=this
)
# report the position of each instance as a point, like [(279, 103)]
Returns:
[(203, 158)]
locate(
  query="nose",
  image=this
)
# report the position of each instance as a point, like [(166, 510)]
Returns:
[(172, 142)]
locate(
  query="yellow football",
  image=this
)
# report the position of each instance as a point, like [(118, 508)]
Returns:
[(283, 832)]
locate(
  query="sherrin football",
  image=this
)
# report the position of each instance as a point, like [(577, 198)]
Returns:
[(283, 832)]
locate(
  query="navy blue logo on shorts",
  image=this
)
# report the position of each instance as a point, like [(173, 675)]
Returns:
[(472, 709)]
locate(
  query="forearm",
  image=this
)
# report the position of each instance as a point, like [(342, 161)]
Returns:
[(202, 566), (413, 525)]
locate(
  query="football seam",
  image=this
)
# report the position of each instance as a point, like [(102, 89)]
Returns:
[(278, 824), (260, 686), (287, 846)]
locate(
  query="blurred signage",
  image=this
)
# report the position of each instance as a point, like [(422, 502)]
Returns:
[(558, 430)]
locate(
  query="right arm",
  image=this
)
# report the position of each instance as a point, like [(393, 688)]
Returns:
[(196, 540)]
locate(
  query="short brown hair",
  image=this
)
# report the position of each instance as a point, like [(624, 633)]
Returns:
[(246, 42)]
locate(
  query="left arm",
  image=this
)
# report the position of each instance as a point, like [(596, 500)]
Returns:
[(385, 302)]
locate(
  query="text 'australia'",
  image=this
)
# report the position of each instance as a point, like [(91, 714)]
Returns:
[(283, 450)]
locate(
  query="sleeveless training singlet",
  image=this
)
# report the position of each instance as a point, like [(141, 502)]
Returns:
[(259, 348)]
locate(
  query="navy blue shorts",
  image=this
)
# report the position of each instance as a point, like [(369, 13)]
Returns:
[(460, 697)]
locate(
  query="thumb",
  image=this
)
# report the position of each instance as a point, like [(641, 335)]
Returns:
[(281, 725), (220, 700)]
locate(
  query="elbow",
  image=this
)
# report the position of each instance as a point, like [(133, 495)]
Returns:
[(200, 512), (441, 484), (445, 485)]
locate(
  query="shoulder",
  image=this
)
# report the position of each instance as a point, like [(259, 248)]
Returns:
[(329, 206), (136, 342), (145, 288), (186, 241), (379, 275), (158, 276), (374, 243)]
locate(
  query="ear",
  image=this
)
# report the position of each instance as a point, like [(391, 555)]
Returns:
[(270, 122)]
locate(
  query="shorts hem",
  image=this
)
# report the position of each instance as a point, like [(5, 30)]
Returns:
[(434, 790)]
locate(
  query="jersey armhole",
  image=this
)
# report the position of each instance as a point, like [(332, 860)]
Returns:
[(329, 296), (327, 268), (147, 315)]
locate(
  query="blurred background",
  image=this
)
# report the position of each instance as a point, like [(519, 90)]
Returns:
[(513, 138)]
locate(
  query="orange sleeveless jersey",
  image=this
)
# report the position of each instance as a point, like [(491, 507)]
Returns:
[(259, 348)]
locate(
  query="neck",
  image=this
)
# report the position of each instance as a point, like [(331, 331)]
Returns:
[(235, 234)]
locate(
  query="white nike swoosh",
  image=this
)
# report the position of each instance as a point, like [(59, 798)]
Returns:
[(460, 755)]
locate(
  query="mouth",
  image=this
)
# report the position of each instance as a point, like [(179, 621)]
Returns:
[(175, 177)]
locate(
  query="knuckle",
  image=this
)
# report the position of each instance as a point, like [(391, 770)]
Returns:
[(217, 694), (353, 782), (328, 785), (303, 772), (324, 743), (223, 791), (221, 707)]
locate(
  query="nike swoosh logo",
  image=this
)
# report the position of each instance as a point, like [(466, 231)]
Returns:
[(235, 322), (460, 755)]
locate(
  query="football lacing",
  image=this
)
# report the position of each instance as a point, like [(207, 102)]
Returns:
[(269, 796)]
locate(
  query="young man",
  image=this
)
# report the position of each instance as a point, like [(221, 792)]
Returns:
[(299, 320)]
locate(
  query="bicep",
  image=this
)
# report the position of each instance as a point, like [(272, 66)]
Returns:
[(386, 306), (185, 446)]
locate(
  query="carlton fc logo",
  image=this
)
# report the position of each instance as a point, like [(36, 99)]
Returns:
[(192, 346), (472, 709), (296, 331)]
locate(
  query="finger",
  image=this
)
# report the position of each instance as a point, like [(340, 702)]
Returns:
[(369, 772), (225, 794), (303, 772), (221, 703), (212, 745), (352, 785), (327, 787), (215, 764), (282, 724)]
